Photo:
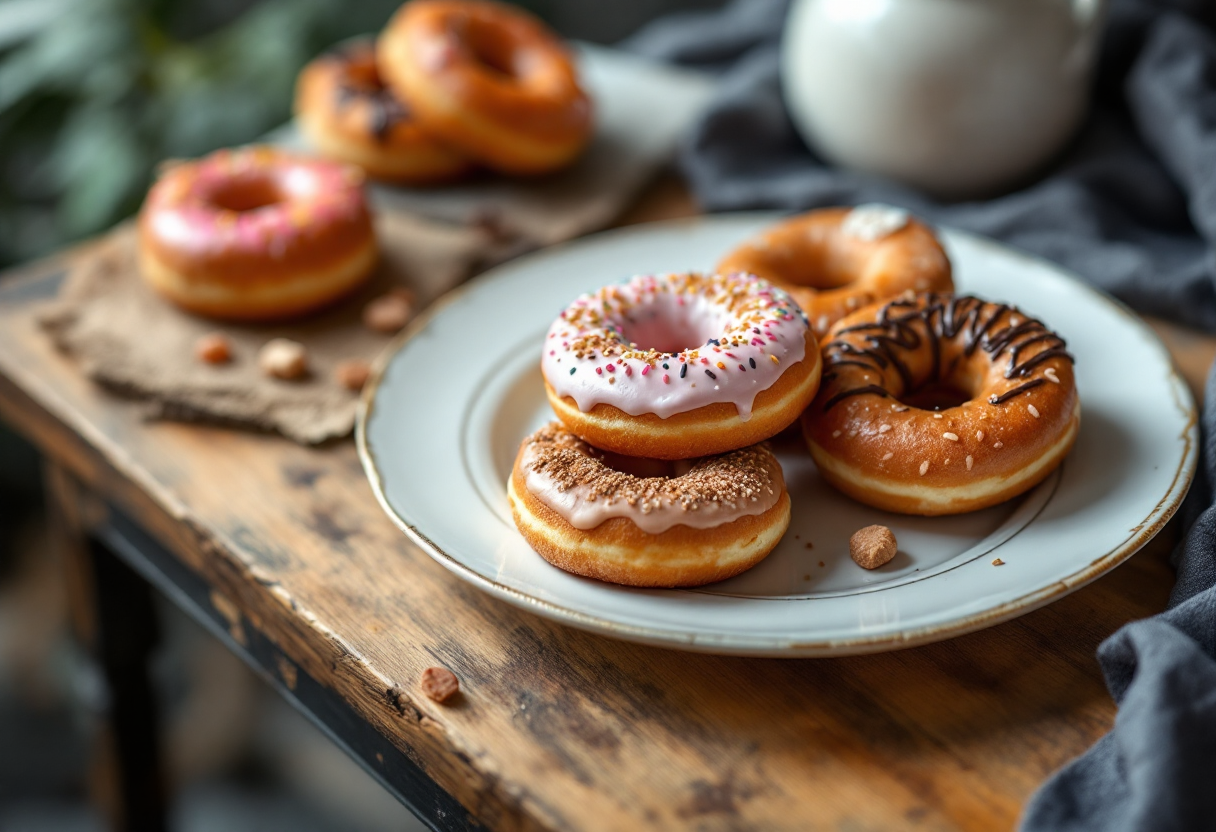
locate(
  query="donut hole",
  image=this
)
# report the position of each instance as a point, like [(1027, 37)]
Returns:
[(245, 194), (669, 327), (826, 264), (491, 49), (363, 76), (816, 262), (960, 385), (643, 467), (936, 396)]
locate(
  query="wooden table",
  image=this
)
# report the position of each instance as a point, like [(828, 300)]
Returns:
[(283, 553)]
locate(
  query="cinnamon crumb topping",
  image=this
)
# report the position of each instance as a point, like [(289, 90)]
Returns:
[(730, 479)]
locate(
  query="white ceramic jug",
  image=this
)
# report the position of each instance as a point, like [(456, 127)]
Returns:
[(958, 97)]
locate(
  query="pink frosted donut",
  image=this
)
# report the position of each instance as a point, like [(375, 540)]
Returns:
[(256, 234), (676, 366)]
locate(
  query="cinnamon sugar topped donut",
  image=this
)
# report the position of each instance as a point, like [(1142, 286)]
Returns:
[(572, 478)]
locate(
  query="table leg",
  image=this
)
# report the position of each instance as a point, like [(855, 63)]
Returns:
[(115, 621)]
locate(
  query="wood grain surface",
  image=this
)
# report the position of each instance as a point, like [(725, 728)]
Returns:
[(559, 729)]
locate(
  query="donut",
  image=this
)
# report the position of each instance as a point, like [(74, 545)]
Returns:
[(490, 79), (676, 366), (347, 113), (941, 404), (644, 522), (837, 260), (256, 234)]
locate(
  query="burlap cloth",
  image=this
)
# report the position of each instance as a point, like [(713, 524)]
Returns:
[(129, 340)]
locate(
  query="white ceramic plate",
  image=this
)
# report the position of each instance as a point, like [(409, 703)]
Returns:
[(444, 414)]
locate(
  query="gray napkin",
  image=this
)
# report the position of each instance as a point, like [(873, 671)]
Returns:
[(1130, 205)]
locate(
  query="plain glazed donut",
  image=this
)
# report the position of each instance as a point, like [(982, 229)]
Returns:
[(256, 234), (491, 80), (872, 442), (676, 366), (347, 113), (686, 524), (837, 260)]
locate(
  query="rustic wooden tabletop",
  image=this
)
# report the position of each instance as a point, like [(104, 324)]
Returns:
[(283, 551)]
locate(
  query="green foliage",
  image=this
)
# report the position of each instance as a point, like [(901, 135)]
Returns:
[(94, 98)]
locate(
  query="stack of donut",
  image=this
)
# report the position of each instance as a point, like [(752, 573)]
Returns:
[(449, 85), (665, 388)]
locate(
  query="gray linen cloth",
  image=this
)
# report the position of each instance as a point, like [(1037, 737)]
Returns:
[(1130, 205)]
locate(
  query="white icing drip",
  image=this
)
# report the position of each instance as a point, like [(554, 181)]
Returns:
[(643, 309), (874, 221)]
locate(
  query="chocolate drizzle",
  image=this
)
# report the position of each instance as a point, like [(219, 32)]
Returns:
[(358, 81), (902, 326), (386, 109)]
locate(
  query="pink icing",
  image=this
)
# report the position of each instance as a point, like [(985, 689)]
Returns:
[(184, 212), (671, 343), (582, 511)]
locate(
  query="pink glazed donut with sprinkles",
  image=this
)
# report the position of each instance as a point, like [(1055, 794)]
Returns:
[(676, 366), (256, 234)]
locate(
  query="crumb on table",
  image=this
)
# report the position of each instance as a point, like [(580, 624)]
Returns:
[(389, 313), (439, 684)]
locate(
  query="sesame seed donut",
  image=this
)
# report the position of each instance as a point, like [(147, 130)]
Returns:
[(656, 524), (837, 260), (256, 234), (347, 113), (490, 79), (675, 366), (888, 427)]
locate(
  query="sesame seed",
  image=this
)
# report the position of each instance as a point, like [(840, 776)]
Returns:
[(998, 445), (937, 415), (835, 433), (953, 437), (1050, 372), (947, 460), (887, 456), (883, 428), (970, 462), (924, 467), (979, 436), (1034, 411)]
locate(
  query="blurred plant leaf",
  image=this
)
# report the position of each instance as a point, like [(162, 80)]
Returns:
[(105, 89)]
